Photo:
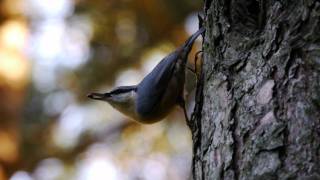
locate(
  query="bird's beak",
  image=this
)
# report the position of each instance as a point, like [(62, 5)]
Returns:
[(96, 96)]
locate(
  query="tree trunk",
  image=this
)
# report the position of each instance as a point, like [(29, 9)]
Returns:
[(258, 99)]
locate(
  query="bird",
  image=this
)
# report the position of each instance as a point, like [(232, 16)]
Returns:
[(159, 91)]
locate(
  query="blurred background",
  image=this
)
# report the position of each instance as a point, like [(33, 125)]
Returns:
[(52, 54)]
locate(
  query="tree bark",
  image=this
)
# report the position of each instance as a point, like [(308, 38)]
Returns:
[(257, 113)]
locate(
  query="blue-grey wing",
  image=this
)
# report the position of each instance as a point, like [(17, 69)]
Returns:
[(153, 86)]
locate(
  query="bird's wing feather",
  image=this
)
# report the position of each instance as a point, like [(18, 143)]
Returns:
[(153, 86)]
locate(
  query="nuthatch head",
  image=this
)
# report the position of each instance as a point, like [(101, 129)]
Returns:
[(156, 95), (122, 98)]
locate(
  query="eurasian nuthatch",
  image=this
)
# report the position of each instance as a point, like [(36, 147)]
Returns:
[(156, 95)]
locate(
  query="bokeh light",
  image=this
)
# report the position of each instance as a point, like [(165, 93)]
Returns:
[(9, 147), (52, 54), (14, 68)]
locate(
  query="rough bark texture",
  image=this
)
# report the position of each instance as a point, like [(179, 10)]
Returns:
[(258, 100)]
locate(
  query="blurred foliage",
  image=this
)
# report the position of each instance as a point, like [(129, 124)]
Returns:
[(125, 29), (50, 60)]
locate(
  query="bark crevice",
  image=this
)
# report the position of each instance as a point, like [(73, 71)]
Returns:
[(259, 116), (236, 144)]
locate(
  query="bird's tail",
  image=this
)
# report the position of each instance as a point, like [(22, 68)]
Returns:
[(189, 42)]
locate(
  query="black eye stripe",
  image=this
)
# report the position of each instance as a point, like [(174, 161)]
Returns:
[(123, 89), (119, 91)]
